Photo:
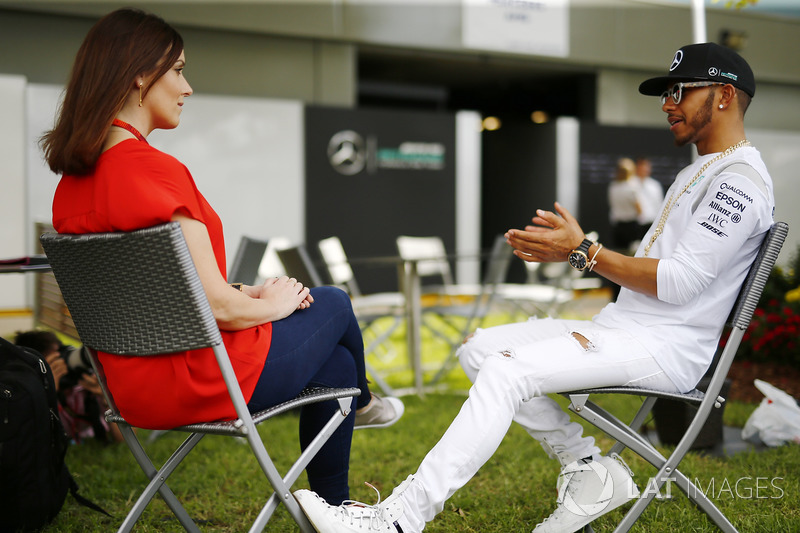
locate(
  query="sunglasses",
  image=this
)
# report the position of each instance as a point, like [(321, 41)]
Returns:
[(676, 91)]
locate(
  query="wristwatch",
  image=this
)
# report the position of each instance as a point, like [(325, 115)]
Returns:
[(579, 257)]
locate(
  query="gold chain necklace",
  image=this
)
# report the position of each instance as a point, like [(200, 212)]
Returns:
[(672, 199)]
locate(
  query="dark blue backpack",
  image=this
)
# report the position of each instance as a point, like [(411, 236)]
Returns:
[(34, 479)]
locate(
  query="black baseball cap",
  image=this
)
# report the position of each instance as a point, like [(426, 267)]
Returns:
[(704, 62)]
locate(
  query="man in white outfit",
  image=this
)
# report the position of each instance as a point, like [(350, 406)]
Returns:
[(661, 332)]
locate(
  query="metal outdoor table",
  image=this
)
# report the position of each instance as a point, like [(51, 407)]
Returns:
[(18, 265), (411, 288)]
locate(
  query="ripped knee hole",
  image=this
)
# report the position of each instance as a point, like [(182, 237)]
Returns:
[(585, 343)]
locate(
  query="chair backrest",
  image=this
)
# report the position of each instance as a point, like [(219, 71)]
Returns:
[(245, 264), (339, 269), (532, 271), (134, 293), (746, 302), (298, 264), (431, 254), (499, 261), (756, 279)]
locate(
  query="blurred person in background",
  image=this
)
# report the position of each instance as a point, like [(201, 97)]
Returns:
[(651, 196), (624, 206)]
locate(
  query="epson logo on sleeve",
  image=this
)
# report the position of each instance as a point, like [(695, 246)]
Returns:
[(731, 201), (712, 229)]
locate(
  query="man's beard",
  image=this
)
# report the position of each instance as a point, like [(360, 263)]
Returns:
[(700, 120)]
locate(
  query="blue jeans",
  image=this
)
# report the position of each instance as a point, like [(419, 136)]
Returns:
[(320, 346)]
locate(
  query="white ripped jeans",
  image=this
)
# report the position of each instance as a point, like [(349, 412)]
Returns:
[(513, 368)]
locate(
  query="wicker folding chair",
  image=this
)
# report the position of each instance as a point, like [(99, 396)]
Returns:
[(298, 264), (379, 314), (627, 435), (249, 254), (138, 294)]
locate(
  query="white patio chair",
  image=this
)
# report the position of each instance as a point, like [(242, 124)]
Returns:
[(298, 264)]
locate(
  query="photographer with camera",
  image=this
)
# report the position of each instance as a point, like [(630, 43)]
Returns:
[(81, 402)]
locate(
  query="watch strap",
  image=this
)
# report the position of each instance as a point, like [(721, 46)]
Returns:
[(582, 250), (584, 247)]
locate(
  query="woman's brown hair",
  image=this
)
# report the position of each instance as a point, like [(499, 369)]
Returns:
[(121, 46)]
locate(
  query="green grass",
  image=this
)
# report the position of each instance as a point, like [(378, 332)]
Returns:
[(516, 488), (221, 483)]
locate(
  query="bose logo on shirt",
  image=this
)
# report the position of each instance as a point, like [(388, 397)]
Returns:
[(712, 229)]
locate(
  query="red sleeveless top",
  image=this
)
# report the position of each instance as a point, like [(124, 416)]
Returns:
[(135, 186)]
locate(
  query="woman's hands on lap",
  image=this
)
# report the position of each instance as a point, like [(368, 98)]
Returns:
[(233, 310), (285, 293)]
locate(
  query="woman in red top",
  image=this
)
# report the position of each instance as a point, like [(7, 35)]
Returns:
[(128, 80)]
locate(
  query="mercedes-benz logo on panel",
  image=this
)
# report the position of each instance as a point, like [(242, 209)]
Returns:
[(676, 60), (713, 71), (347, 153)]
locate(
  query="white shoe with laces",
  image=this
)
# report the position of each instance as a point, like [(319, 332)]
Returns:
[(353, 516), (587, 490), (380, 412)]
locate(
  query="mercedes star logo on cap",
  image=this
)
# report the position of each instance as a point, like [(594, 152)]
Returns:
[(676, 60)]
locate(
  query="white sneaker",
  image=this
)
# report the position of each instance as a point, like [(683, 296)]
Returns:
[(588, 490), (379, 412), (353, 516)]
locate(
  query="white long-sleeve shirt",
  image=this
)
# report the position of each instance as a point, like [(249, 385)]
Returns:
[(706, 248)]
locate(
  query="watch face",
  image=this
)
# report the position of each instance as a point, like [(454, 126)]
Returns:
[(578, 260)]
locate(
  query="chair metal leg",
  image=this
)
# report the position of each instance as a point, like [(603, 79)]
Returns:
[(157, 480), (380, 338), (697, 497), (690, 489), (447, 365), (475, 318), (154, 435), (294, 472), (379, 381), (636, 423), (281, 489), (376, 343), (613, 427)]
